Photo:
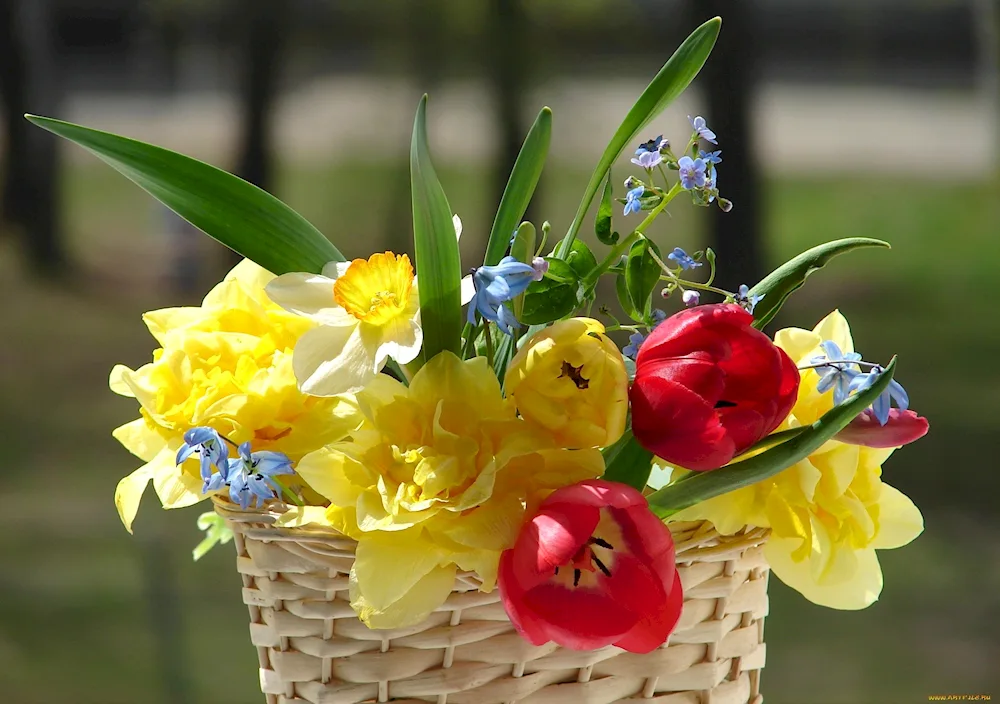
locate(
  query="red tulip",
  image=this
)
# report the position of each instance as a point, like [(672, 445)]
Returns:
[(903, 428), (593, 567), (708, 386)]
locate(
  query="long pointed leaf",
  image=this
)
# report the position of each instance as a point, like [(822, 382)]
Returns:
[(673, 78), (520, 187), (241, 216), (706, 485), (439, 267), (777, 286)]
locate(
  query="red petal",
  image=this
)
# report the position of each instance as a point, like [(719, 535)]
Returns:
[(694, 329), (652, 631), (903, 428), (634, 586), (677, 424), (648, 538), (512, 597), (551, 539), (598, 493), (580, 619)]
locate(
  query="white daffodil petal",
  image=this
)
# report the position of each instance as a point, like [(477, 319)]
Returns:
[(400, 339), (332, 360), (468, 288), (334, 270), (308, 295)]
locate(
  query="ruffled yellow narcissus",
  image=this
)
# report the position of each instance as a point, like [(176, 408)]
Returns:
[(226, 364), (570, 379), (437, 479), (829, 513)]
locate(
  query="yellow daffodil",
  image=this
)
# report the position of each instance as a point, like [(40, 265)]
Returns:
[(829, 513), (437, 479), (570, 379), (226, 364), (368, 310)]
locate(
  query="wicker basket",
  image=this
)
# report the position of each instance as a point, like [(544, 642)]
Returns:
[(313, 650)]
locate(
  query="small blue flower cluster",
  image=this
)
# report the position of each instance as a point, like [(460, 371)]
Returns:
[(746, 299), (495, 285), (249, 476), (841, 371)]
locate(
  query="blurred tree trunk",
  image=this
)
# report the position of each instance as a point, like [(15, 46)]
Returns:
[(263, 24), (728, 80), (30, 82), (506, 29)]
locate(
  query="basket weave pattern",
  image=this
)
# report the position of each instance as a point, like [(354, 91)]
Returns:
[(312, 649)]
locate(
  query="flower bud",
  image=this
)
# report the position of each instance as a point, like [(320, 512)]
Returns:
[(691, 298)]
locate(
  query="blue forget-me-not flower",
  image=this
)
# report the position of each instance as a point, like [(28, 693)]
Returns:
[(633, 204), (653, 145), (635, 341), (893, 392), (839, 371), (692, 172), (683, 259), (711, 157), (211, 448), (701, 128)]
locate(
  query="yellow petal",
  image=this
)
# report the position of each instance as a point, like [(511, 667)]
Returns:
[(859, 592), (417, 604), (129, 492), (834, 327), (250, 275), (175, 486), (448, 377), (298, 516), (324, 471), (797, 343), (140, 438), (899, 521), (332, 360), (837, 467), (386, 567)]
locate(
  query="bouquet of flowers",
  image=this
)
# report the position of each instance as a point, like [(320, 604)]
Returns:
[(517, 445)]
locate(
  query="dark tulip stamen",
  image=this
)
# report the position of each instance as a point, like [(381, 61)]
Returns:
[(600, 565), (724, 404), (576, 578), (603, 543)]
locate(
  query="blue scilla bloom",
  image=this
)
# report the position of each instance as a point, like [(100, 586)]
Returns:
[(748, 301), (839, 371), (683, 259), (635, 341), (711, 157), (701, 129), (692, 172), (495, 285), (211, 448), (633, 204), (250, 476), (893, 392)]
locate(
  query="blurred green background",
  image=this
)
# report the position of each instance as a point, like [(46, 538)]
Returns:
[(836, 119)]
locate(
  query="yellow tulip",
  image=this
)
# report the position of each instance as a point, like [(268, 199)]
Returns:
[(570, 379), (437, 479), (829, 513), (226, 364)]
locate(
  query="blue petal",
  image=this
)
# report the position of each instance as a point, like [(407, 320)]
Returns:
[(899, 395), (832, 350), (270, 463), (183, 453), (881, 408)]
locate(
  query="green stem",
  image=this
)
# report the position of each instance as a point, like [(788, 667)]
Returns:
[(489, 343), (619, 249)]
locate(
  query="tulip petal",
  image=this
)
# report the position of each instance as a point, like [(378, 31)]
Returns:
[(653, 630), (902, 428), (579, 619), (550, 540)]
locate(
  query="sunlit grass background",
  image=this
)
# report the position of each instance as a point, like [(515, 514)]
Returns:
[(81, 600)]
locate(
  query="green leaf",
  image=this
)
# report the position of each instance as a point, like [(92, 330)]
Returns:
[(555, 296), (670, 82), (777, 286), (706, 485), (520, 187), (581, 259), (236, 213), (439, 267), (216, 533), (641, 275), (624, 301), (523, 250), (627, 462), (502, 356), (602, 226)]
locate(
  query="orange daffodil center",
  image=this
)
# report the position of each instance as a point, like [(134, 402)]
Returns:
[(377, 290)]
